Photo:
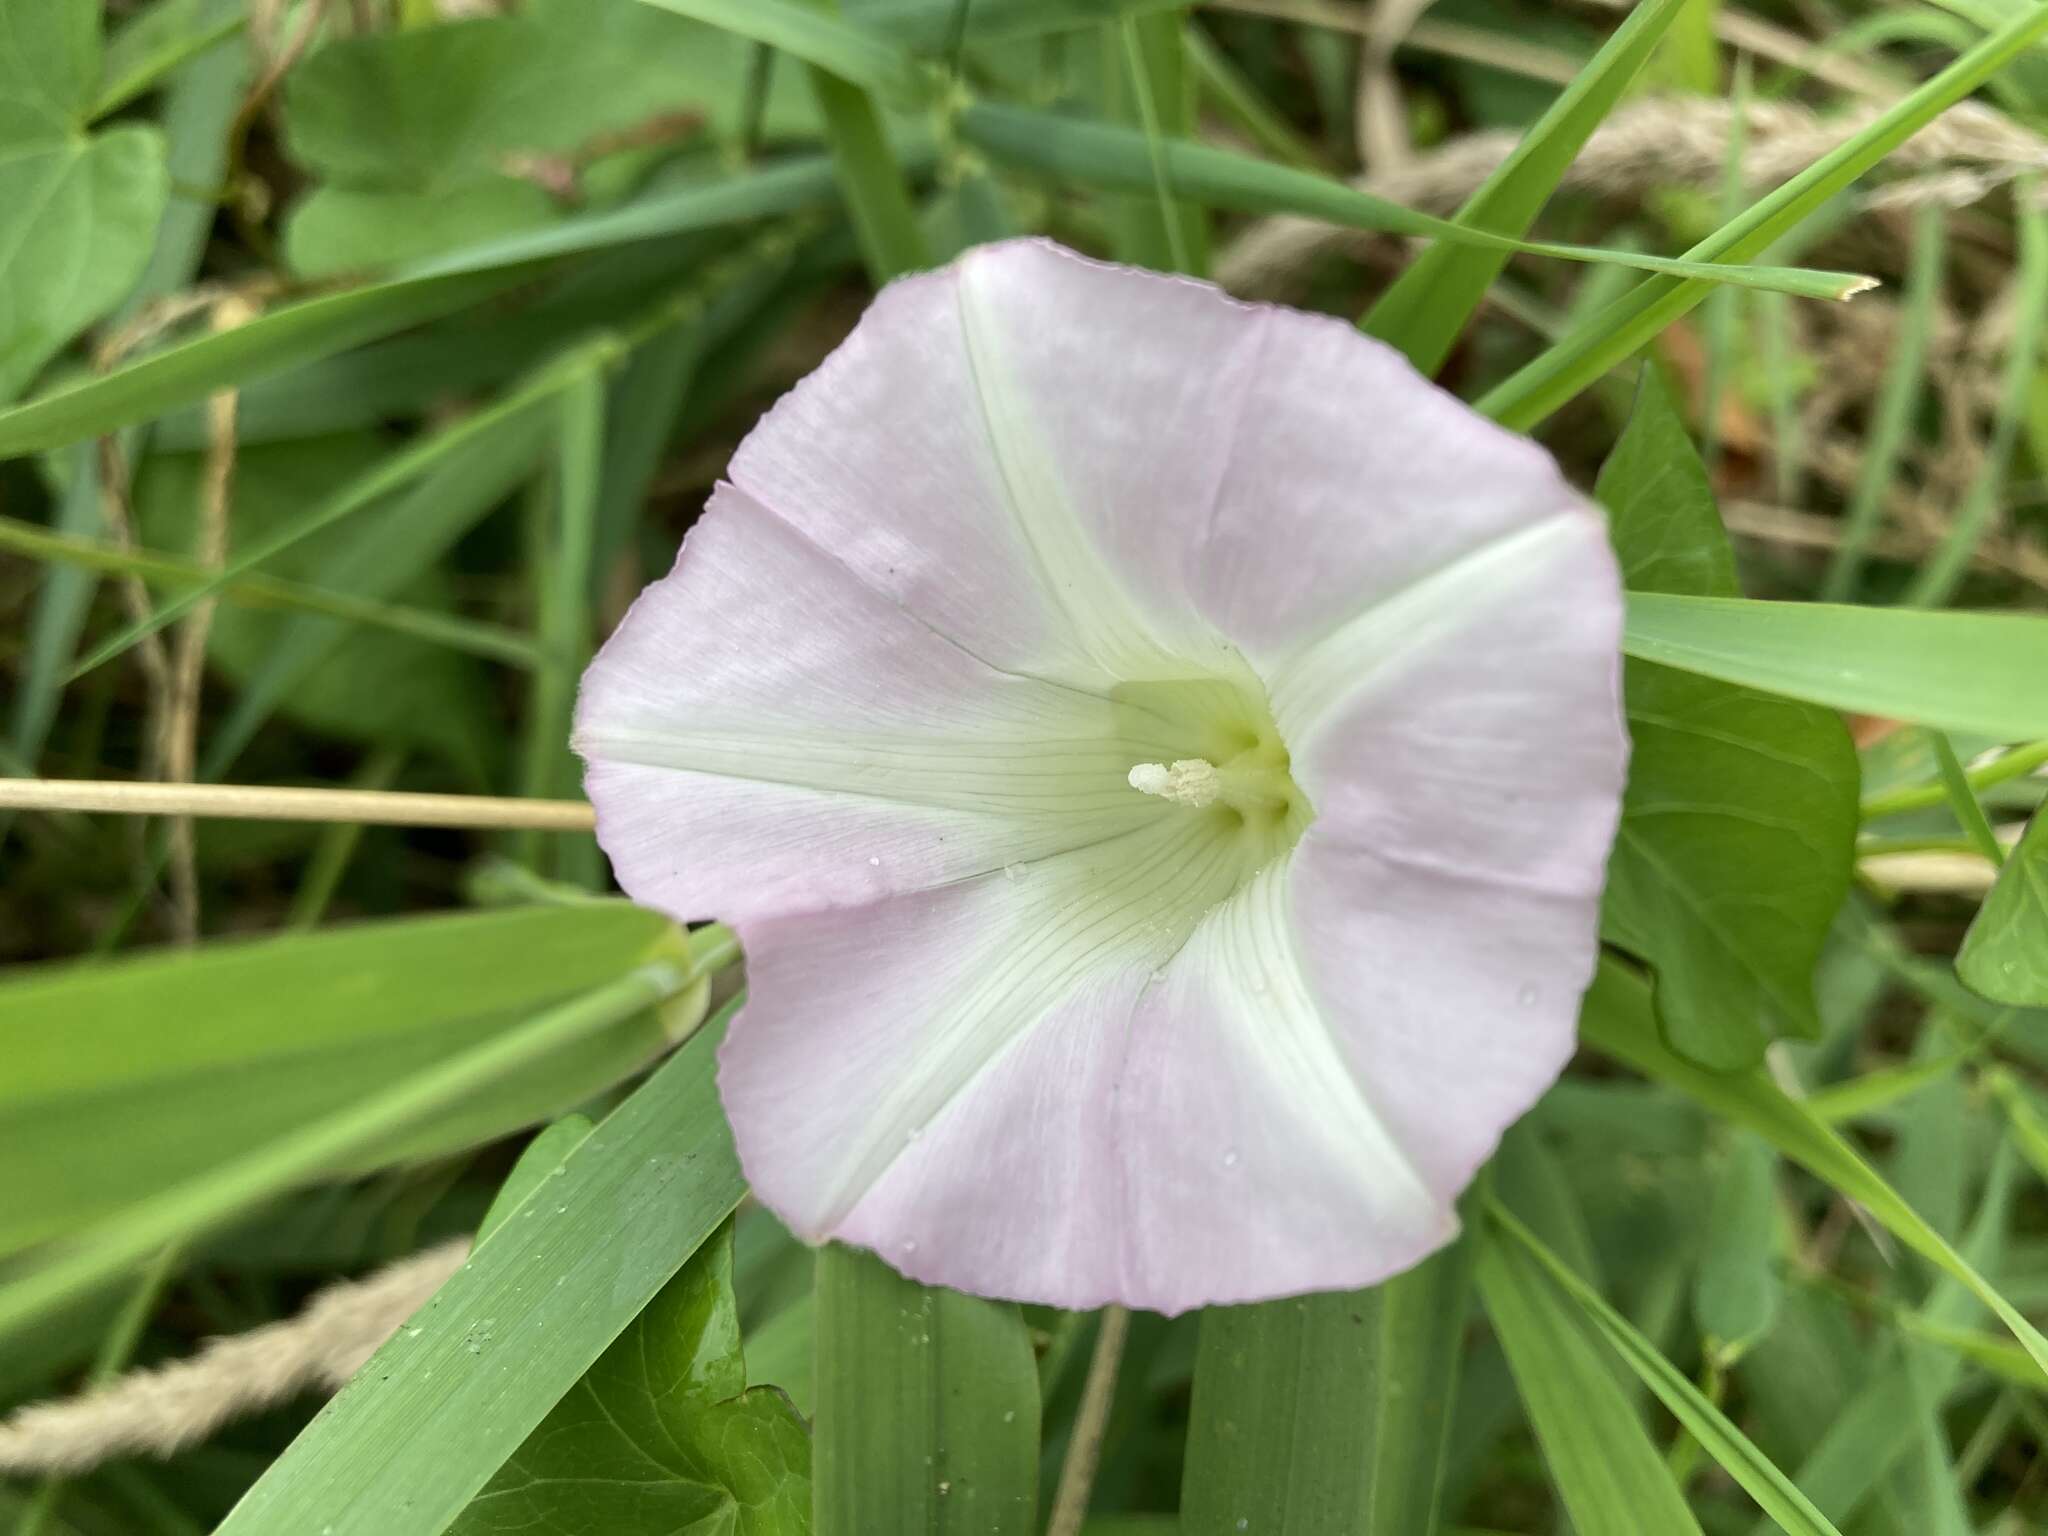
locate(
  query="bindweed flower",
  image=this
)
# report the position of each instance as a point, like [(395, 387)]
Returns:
[(1160, 755)]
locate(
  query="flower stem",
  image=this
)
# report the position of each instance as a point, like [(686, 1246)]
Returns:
[(1091, 1424)]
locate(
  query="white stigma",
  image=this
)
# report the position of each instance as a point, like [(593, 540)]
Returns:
[(1191, 781)]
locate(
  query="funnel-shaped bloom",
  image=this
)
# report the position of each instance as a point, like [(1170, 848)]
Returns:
[(1160, 755)]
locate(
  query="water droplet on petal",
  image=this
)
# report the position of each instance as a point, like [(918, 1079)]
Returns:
[(1013, 871), (1527, 996), (874, 863), (1230, 1157), (910, 1245)]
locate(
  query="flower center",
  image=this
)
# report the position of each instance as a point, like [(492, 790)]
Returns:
[(1233, 779)]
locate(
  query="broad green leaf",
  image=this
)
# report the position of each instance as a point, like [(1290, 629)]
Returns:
[(1328, 1412), (1607, 1473), (82, 215), (662, 1434), (49, 68), (1730, 1448), (927, 1407), (1619, 329), (1430, 303), (301, 333), (1736, 1293), (1616, 1019), (156, 41), (1102, 155), (128, 1077), (2005, 954), (335, 231), (1738, 827), (1959, 671), (439, 1409)]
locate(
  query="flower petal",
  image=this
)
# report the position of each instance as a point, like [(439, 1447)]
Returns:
[(1009, 1090), (766, 733)]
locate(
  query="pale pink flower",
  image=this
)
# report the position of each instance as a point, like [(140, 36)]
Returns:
[(1160, 755)]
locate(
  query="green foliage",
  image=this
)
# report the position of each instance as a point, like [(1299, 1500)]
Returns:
[(662, 1434), (1330, 1412), (2005, 953), (442, 1406), (102, 1106), (1738, 828), (82, 208), (521, 281), (927, 1406)]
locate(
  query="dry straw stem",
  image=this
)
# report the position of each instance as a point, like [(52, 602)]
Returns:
[(159, 1412), (1657, 142), (263, 802)]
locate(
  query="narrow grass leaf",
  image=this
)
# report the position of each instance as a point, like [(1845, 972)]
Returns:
[(1102, 155), (1608, 1474), (394, 472), (877, 195), (305, 332), (442, 1406), (1432, 302), (855, 54), (1732, 1450), (1616, 1020), (129, 1077), (1328, 1412), (1892, 418), (1531, 394), (1939, 576), (1969, 672), (205, 1202), (474, 636), (927, 1407), (931, 26), (1963, 800)]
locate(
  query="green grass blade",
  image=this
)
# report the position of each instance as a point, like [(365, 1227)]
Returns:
[(440, 1407), (1432, 302), (1944, 570), (1616, 1019), (560, 568), (855, 54), (313, 329), (1099, 154), (884, 218), (1971, 672), (1328, 1413), (1531, 394), (1732, 1450), (1608, 1474), (391, 474), (1963, 800), (1231, 94), (126, 1078), (202, 1204), (1892, 418), (495, 642), (927, 1407), (929, 26), (1147, 86)]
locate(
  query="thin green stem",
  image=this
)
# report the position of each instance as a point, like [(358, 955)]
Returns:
[(1944, 571), (1963, 801), (1896, 400), (1133, 50), (2013, 764)]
